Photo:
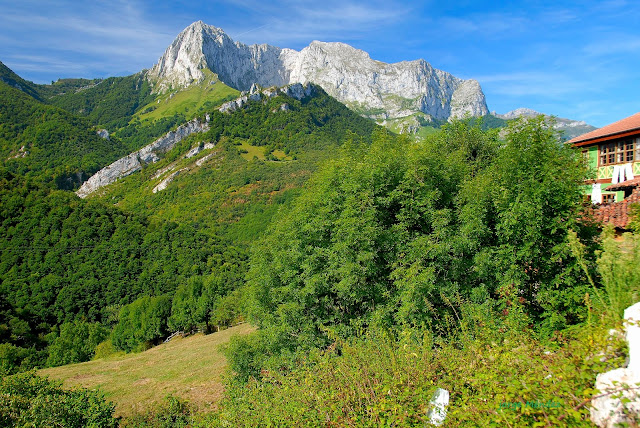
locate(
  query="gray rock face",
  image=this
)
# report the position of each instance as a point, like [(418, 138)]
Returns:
[(103, 133), (197, 149), (135, 161), (618, 400), (374, 88), (569, 128), (164, 183), (296, 90)]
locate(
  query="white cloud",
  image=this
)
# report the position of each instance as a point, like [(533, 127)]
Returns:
[(622, 43), (288, 23), (531, 83), (113, 35)]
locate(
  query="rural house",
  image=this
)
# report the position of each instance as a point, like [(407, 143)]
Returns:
[(613, 151)]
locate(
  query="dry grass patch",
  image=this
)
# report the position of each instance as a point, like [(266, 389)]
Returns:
[(189, 368)]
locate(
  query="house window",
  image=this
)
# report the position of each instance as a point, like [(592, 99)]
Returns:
[(618, 152), (608, 198), (585, 156)]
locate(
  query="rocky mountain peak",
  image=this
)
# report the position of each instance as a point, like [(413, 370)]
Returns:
[(519, 112), (568, 127), (374, 88)]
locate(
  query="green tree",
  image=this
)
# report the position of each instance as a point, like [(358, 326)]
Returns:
[(188, 308), (142, 322), (28, 400), (398, 232), (76, 343)]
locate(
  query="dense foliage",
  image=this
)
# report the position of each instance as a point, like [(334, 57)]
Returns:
[(391, 235), (73, 271), (458, 261), (49, 145), (508, 310), (12, 79), (109, 103), (144, 320), (66, 260), (76, 342), (27, 400), (496, 374), (238, 195)]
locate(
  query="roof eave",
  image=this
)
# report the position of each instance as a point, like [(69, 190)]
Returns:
[(581, 143)]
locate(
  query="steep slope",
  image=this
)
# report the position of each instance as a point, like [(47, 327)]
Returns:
[(373, 88), (68, 260), (127, 109), (12, 79), (257, 153), (108, 103), (569, 128), (48, 144), (137, 160), (105, 102)]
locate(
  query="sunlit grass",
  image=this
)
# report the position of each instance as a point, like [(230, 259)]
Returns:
[(193, 100), (189, 368)]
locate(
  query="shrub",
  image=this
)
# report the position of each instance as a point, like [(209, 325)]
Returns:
[(77, 343), (141, 322), (29, 400)]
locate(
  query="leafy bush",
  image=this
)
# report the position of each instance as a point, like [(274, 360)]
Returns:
[(142, 322), (27, 400), (76, 343), (105, 349), (16, 358), (392, 234), (497, 375), (227, 310)]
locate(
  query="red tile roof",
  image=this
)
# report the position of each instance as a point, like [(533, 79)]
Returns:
[(634, 182), (619, 128), (617, 213)]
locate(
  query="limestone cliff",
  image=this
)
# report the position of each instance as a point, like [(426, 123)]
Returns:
[(373, 88), (135, 161)]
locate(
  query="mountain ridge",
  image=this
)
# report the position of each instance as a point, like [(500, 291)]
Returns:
[(568, 127), (375, 89)]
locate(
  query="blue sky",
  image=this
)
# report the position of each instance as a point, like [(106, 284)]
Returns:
[(579, 60)]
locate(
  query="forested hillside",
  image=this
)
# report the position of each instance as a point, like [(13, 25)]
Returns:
[(263, 154), (392, 234), (12, 79), (125, 270), (376, 267), (464, 262), (68, 262), (48, 145), (109, 103)]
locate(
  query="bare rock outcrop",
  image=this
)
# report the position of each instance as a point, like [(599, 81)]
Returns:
[(618, 402), (135, 161), (164, 183), (297, 91)]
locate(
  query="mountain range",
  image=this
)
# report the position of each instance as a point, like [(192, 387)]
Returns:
[(376, 89), (402, 95)]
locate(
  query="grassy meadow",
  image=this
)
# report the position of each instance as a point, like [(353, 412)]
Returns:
[(192, 100), (188, 368)]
